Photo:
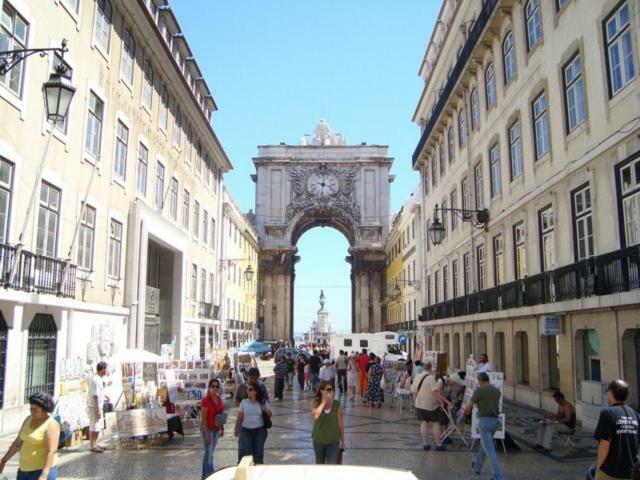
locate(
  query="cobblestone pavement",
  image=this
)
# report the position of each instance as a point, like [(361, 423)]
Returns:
[(379, 437)]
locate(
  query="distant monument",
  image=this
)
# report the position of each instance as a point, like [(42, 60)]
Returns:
[(321, 328)]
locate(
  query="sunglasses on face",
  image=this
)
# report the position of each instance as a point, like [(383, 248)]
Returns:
[(250, 390), (214, 386), (328, 389)]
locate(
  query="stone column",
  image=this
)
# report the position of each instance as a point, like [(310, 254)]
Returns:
[(368, 270), (275, 280)]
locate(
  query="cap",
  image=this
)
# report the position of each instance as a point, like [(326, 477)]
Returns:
[(253, 372)]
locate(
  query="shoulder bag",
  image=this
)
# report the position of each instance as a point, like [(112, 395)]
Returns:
[(266, 419), (635, 465)]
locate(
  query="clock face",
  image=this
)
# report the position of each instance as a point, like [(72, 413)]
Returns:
[(323, 184)]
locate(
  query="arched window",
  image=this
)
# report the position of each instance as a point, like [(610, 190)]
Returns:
[(456, 350), (462, 128), (475, 109), (450, 141), (509, 57), (3, 356), (522, 357), (128, 56), (41, 355), (490, 85)]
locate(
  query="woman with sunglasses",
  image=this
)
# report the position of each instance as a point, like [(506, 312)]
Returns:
[(328, 425), (211, 406), (250, 428)]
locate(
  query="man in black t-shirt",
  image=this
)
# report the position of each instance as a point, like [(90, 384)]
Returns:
[(618, 435), (314, 368)]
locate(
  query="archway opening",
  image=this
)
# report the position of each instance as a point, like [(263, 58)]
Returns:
[(322, 268)]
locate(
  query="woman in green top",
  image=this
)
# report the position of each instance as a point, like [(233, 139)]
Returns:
[(328, 425)]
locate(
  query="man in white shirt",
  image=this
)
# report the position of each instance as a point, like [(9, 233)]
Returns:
[(483, 365), (327, 372), (95, 405), (429, 402)]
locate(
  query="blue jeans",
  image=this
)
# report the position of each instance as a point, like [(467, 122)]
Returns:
[(207, 460), (488, 426), (327, 454), (315, 380), (35, 474), (251, 442)]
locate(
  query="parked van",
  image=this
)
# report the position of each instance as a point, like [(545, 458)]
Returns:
[(379, 343)]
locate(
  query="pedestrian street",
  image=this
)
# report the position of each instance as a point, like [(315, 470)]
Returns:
[(378, 437)]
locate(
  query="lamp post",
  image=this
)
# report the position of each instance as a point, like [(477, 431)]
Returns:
[(249, 273), (57, 93), (477, 218), (396, 292)]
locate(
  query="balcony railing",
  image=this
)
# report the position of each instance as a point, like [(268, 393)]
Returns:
[(205, 310), (474, 36), (37, 273), (612, 272)]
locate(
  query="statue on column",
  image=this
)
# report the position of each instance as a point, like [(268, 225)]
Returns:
[(322, 300)]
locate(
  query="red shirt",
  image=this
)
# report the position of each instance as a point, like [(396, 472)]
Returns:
[(213, 408), (362, 362)]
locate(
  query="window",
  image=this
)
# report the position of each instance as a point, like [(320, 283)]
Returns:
[(173, 199), (617, 31), (515, 150), (203, 342), (86, 236), (102, 25), (203, 285), (14, 35), (185, 209), (574, 93), (437, 342), (454, 204), (196, 219), (61, 125), (73, 5), (550, 361), (428, 289), (583, 226), (444, 217), (466, 265), (163, 110), (456, 350), (128, 56), (475, 109), (436, 287), (6, 189), (442, 159), (205, 227), (451, 142), (522, 358), (95, 116), (445, 345), (445, 283), (534, 23), (434, 172), (498, 260), (143, 161), (122, 146), (48, 220), (41, 355), (115, 248), (479, 186), (454, 277), (481, 267), (541, 125), (509, 58), (462, 128), (468, 346), (194, 283), (159, 186), (591, 356), (177, 129), (629, 194), (482, 343), (464, 191), (494, 162), (547, 246), (499, 352), (146, 97), (519, 250), (490, 85)]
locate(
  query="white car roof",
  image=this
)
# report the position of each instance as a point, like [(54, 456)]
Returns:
[(311, 472)]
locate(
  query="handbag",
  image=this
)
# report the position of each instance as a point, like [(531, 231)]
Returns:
[(221, 419), (591, 473), (107, 407), (267, 420)]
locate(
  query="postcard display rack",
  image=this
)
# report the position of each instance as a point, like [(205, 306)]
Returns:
[(186, 383), (71, 402)]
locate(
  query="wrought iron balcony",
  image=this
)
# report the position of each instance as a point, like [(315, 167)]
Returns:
[(612, 272), (205, 310), (472, 39), (36, 273)]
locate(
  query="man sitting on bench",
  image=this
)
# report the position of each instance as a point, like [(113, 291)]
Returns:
[(566, 416)]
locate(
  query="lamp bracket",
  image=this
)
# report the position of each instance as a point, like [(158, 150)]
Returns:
[(11, 58)]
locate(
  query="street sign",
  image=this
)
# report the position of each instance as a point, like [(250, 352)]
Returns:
[(402, 339), (551, 325)]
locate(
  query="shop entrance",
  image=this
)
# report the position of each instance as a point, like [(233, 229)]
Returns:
[(159, 297), (631, 364)]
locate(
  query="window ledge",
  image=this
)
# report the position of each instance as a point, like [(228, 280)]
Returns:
[(75, 16), (102, 53), (146, 109), (519, 180), (546, 158), (577, 131), (89, 158), (119, 181), (128, 85), (536, 47)]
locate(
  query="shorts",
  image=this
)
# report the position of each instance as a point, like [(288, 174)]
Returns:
[(433, 416), (95, 424)]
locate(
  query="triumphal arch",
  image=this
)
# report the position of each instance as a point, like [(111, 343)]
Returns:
[(323, 181)]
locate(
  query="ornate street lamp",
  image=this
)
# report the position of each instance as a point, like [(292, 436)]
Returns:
[(477, 218), (58, 93), (248, 274)]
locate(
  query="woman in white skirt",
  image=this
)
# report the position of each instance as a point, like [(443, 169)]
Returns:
[(352, 378)]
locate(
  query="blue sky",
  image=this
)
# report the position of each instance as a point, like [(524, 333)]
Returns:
[(276, 67)]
